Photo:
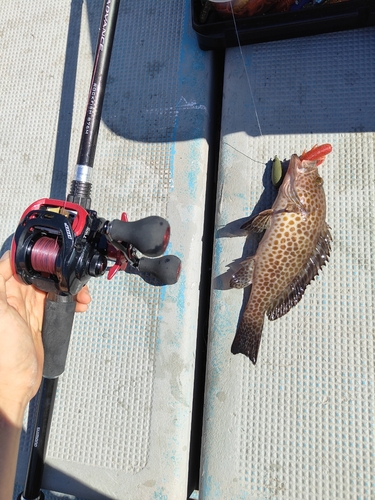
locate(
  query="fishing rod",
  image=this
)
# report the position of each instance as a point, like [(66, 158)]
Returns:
[(59, 245)]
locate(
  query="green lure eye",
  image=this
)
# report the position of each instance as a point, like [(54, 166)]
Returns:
[(277, 172)]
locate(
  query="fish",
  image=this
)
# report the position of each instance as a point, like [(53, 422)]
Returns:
[(295, 246)]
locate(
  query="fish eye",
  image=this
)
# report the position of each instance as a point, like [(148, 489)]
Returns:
[(319, 181)]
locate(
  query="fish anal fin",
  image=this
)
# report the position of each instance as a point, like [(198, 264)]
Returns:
[(259, 222), (244, 276), (248, 337), (293, 293)]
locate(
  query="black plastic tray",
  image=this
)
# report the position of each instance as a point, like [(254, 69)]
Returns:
[(218, 33)]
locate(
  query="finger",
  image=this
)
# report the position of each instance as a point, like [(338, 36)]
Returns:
[(5, 255), (83, 299), (5, 267), (3, 293), (80, 308), (84, 296)]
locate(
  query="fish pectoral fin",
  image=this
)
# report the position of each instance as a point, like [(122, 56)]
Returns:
[(244, 276), (294, 291), (248, 337), (259, 222)]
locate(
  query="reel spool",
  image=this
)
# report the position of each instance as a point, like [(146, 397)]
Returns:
[(44, 255)]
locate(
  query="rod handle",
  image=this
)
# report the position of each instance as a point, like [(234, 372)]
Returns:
[(57, 328)]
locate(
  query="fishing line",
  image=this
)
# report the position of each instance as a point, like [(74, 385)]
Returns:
[(244, 65), (44, 255), (242, 153)]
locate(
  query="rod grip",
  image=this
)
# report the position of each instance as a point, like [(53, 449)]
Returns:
[(57, 328), (149, 235)]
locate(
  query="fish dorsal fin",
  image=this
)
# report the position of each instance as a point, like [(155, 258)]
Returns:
[(259, 222), (244, 276), (294, 291)]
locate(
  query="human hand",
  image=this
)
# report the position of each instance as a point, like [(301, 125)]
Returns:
[(21, 347)]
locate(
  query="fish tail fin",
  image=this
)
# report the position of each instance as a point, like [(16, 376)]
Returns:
[(248, 336)]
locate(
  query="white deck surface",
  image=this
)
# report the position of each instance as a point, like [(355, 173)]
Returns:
[(121, 425), (299, 424)]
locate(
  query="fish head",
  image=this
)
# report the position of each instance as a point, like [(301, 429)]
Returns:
[(302, 185), (307, 164), (301, 173)]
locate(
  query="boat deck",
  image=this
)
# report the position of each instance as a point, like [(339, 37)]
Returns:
[(184, 136)]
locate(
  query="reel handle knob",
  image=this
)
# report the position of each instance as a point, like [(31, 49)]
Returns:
[(167, 268), (149, 235)]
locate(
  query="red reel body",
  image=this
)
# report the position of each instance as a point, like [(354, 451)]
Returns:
[(58, 246)]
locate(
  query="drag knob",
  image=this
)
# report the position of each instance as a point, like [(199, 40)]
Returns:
[(97, 265), (167, 268)]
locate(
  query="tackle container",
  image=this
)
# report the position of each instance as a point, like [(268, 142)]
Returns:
[(217, 32)]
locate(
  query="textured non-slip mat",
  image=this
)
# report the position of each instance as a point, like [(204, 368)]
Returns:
[(121, 425), (299, 424)]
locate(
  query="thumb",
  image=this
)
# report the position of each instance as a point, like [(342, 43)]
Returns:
[(5, 267), (5, 256), (3, 293)]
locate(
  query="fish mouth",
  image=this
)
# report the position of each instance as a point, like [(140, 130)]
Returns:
[(298, 166), (308, 161)]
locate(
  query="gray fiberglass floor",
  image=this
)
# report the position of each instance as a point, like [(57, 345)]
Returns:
[(121, 425), (299, 424)]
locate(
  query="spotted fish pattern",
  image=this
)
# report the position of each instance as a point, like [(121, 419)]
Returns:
[(295, 246)]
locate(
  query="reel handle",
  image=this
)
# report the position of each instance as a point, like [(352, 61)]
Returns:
[(149, 235), (167, 268)]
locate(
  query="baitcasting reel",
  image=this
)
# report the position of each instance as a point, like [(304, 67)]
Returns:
[(59, 245)]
